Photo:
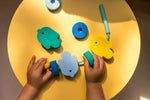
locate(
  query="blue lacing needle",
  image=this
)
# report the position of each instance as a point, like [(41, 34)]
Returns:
[(104, 20)]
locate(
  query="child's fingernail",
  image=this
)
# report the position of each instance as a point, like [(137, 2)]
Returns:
[(33, 57)]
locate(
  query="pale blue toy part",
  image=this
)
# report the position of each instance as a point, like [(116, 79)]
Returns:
[(48, 38), (53, 4), (104, 20), (80, 30), (68, 64)]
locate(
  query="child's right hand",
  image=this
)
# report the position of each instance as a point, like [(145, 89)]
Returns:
[(94, 74)]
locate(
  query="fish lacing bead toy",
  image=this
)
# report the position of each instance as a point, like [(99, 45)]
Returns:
[(68, 64)]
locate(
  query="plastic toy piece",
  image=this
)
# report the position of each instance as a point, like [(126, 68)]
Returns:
[(101, 47), (47, 65), (81, 61), (48, 38), (68, 64), (53, 4), (89, 57), (104, 20), (79, 30), (54, 68)]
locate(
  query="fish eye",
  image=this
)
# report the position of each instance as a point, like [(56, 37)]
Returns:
[(70, 70), (42, 32)]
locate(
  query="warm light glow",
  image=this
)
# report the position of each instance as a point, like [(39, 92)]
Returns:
[(125, 38), (143, 98)]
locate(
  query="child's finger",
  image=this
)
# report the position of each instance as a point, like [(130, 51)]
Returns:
[(96, 61), (102, 63), (41, 65), (38, 63), (86, 63), (47, 75), (35, 99), (31, 62)]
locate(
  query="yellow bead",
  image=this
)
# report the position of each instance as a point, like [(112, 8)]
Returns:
[(101, 47), (47, 65)]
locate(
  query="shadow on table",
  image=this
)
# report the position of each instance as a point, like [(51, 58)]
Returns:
[(116, 11)]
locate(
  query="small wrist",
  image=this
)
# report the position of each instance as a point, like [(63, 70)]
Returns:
[(28, 93), (31, 88), (93, 83)]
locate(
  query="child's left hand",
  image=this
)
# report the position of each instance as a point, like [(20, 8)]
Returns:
[(36, 74), (36, 77)]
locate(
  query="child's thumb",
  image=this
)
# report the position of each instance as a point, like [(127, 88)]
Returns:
[(86, 63), (47, 75)]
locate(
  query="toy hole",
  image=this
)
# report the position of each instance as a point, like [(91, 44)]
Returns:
[(70, 70), (42, 32), (95, 42), (52, 1), (79, 29)]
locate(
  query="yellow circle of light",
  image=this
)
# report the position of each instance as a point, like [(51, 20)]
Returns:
[(125, 37)]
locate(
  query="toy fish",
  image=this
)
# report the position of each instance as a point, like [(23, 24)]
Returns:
[(101, 47), (68, 64), (48, 38)]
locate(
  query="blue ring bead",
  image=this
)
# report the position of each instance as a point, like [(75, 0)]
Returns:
[(53, 4), (54, 67), (79, 30)]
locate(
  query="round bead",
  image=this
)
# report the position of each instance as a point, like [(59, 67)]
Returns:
[(53, 4), (89, 57), (54, 68), (47, 65), (79, 30)]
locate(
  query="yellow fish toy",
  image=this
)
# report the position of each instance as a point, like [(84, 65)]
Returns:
[(101, 47)]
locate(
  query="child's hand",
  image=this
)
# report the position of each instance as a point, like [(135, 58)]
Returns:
[(37, 75), (94, 74), (94, 89)]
